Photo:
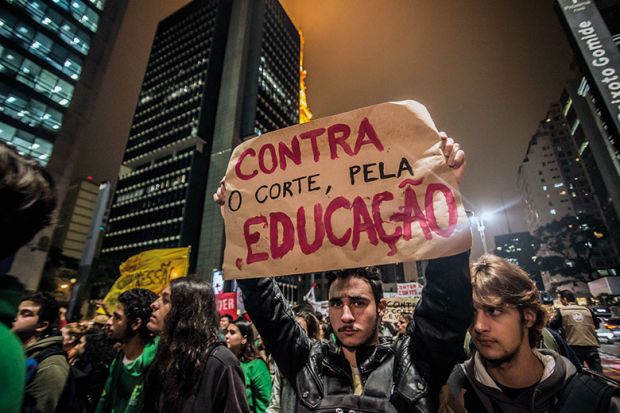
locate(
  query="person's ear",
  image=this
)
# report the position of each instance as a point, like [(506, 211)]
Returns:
[(529, 316), (135, 326), (41, 327)]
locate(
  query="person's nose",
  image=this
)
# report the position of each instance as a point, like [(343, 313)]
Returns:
[(347, 315), (481, 324)]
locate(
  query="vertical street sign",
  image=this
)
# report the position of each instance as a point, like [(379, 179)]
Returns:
[(597, 54)]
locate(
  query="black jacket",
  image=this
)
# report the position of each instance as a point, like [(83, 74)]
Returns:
[(422, 361), (221, 389)]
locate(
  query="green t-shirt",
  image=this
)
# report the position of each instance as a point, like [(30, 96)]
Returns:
[(12, 371), (124, 390), (13, 359), (257, 384)]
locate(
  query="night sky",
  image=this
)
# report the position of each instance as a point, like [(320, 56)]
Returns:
[(487, 70)]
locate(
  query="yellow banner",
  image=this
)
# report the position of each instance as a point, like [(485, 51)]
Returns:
[(152, 270)]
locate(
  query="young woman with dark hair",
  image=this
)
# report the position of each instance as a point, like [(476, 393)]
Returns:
[(240, 340), (192, 370)]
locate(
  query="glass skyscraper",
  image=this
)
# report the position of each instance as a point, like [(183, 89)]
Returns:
[(177, 137), (43, 45)]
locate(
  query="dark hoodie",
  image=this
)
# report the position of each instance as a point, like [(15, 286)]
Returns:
[(483, 394)]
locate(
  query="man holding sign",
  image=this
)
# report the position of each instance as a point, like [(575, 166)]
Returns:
[(377, 185)]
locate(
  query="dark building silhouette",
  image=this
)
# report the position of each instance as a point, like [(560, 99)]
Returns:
[(520, 249), (595, 138), (219, 72)]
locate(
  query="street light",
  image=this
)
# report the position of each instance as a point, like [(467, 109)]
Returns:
[(479, 220)]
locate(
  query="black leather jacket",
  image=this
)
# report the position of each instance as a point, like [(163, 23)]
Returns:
[(422, 361)]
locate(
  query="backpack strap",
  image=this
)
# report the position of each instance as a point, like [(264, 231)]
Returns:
[(33, 363), (48, 352)]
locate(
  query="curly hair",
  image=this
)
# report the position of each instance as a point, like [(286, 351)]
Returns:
[(497, 282), (372, 275), (28, 199), (190, 330), (99, 347), (137, 306)]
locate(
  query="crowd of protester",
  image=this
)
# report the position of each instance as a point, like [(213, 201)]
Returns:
[(479, 340)]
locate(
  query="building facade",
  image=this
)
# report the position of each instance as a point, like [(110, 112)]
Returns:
[(219, 72), (52, 59), (520, 249), (43, 47)]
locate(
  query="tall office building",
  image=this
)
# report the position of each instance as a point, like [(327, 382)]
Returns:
[(43, 46), (219, 72), (52, 57), (585, 103), (551, 179), (604, 176), (520, 249), (553, 183)]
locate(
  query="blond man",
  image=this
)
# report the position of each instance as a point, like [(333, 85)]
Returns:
[(507, 373)]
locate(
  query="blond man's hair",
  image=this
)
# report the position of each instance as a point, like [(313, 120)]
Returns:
[(497, 282)]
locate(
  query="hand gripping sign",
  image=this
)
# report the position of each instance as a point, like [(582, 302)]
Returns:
[(365, 187)]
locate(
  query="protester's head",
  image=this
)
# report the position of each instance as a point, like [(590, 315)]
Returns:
[(225, 320), (319, 316), (131, 315), (96, 347), (508, 315), (309, 323), (186, 320), (71, 334), (182, 306), (402, 323), (160, 309), (240, 340), (356, 305), (567, 297), (28, 200), (37, 316)]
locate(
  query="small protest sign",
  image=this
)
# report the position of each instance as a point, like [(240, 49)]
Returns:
[(397, 306), (365, 187), (226, 303), (412, 289)]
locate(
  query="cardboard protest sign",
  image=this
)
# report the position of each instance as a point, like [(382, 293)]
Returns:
[(152, 270), (320, 307), (361, 188), (412, 289), (226, 303), (397, 306)]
